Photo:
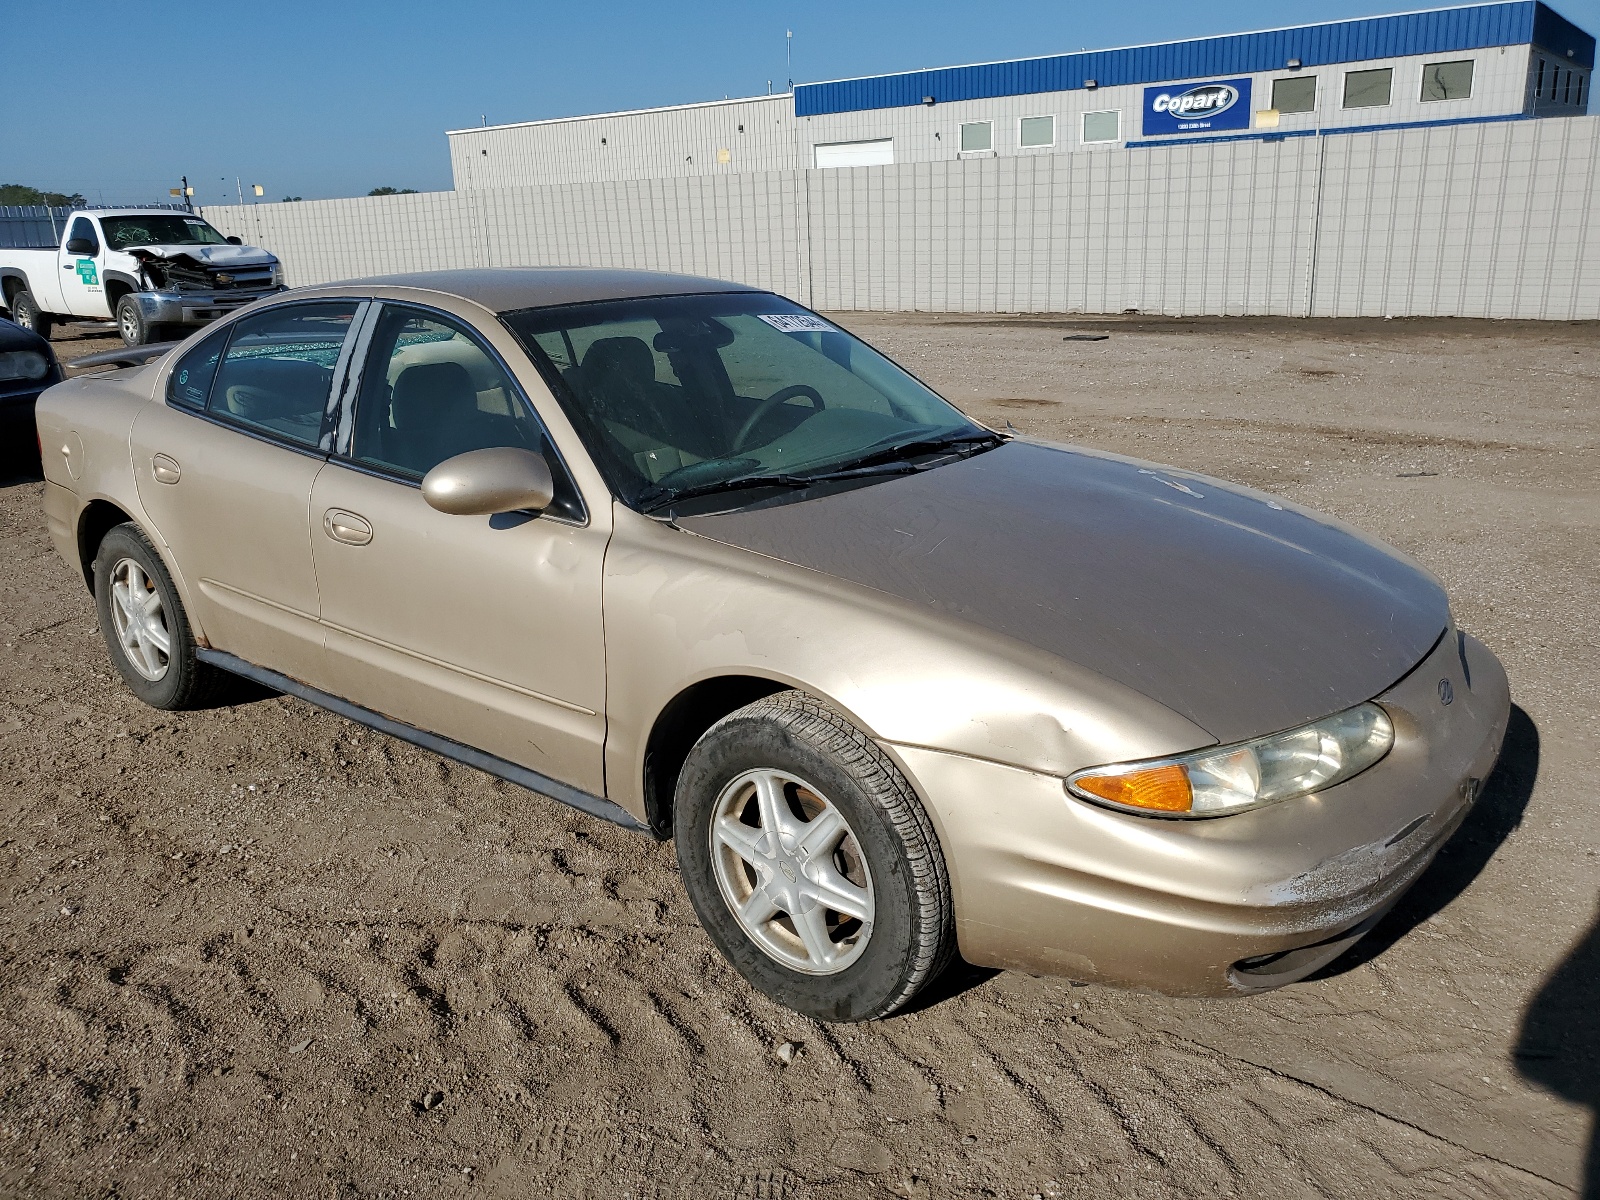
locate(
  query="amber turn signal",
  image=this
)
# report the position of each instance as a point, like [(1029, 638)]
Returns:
[(1163, 789)]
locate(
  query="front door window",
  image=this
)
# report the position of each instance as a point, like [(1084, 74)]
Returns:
[(431, 391)]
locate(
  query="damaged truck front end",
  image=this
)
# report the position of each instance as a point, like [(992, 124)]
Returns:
[(189, 287)]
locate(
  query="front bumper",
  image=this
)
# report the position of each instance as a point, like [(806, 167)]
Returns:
[(1048, 884), (195, 308)]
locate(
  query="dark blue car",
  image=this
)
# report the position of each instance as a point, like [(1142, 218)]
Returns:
[(27, 367)]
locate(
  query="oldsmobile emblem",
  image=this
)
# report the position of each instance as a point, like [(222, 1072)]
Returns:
[(1447, 693)]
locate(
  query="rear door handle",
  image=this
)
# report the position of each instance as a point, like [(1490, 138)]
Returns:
[(165, 469), (346, 527)]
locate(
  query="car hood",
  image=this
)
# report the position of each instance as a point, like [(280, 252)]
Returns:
[(210, 256), (1243, 613)]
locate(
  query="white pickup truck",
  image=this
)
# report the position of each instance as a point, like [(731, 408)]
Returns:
[(154, 271)]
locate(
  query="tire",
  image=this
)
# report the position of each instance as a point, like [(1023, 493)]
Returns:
[(26, 313), (786, 760), (135, 330), (172, 678)]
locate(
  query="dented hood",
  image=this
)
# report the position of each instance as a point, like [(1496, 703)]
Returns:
[(1241, 612), (221, 257)]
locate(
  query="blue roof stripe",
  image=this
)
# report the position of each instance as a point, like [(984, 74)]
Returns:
[(1443, 31)]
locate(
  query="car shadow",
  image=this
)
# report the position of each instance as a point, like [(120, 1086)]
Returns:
[(1498, 811), (1558, 1046), (960, 976)]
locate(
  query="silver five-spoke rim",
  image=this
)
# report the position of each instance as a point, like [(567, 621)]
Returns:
[(140, 619), (130, 323), (792, 872)]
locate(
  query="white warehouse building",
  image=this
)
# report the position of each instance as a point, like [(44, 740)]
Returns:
[(1479, 63)]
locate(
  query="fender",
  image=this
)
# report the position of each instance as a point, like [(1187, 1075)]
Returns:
[(14, 273), (110, 277)]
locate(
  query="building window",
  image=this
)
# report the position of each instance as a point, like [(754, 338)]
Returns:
[(877, 153), (1566, 90), (1447, 80), (1036, 131), (977, 135), (1102, 126), (1296, 94), (1538, 85), (1368, 89)]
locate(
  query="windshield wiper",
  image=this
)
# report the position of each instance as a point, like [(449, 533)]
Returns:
[(891, 460), (656, 497), (971, 443)]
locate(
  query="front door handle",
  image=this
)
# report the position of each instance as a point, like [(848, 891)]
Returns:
[(164, 469), (346, 527)]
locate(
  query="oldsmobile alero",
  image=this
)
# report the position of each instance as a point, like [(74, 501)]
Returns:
[(693, 558)]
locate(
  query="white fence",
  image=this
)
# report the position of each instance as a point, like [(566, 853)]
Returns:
[(1500, 219)]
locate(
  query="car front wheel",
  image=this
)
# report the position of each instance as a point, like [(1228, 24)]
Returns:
[(811, 862), (145, 626)]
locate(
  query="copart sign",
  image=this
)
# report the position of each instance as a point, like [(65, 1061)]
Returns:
[(1197, 107)]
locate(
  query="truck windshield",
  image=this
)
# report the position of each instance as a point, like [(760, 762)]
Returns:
[(174, 230)]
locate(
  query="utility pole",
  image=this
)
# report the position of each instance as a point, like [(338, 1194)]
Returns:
[(788, 55), (188, 192), (239, 187)]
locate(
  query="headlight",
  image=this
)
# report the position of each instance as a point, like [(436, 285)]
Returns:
[(23, 364), (1226, 779), (277, 275)]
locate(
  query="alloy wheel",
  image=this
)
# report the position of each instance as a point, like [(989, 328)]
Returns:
[(792, 872), (140, 620)]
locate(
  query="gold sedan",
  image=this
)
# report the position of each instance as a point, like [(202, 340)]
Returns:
[(695, 560)]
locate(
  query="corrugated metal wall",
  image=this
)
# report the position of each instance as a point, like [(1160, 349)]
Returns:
[(755, 134), (1495, 220)]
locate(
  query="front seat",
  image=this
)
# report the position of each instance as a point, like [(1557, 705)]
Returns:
[(619, 373), (433, 413)]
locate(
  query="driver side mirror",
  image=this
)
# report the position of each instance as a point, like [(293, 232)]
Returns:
[(235, 240), (81, 246), (485, 482)]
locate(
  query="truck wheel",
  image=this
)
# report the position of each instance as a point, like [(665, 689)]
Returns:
[(26, 313), (131, 324)]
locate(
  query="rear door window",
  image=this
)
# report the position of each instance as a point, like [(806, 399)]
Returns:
[(278, 369)]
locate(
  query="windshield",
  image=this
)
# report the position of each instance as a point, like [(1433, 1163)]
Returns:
[(174, 230), (676, 393)]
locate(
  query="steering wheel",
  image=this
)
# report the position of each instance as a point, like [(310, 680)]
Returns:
[(771, 402)]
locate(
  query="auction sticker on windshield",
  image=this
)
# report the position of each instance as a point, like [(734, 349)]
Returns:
[(796, 323)]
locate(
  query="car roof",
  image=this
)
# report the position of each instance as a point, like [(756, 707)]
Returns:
[(505, 289)]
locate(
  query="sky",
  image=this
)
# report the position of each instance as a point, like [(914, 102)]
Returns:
[(336, 97)]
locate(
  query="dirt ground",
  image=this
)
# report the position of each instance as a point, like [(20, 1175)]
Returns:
[(259, 951)]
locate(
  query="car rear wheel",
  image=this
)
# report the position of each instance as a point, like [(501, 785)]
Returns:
[(811, 862), (26, 313), (135, 330), (145, 627)]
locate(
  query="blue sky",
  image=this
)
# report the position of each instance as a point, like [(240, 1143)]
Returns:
[(333, 98)]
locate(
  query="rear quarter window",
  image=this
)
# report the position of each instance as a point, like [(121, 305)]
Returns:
[(190, 381)]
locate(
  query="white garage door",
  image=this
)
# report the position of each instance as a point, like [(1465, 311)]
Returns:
[(856, 154)]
